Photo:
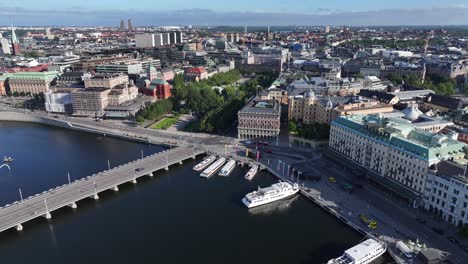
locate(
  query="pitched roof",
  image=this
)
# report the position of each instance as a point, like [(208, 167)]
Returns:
[(444, 101)]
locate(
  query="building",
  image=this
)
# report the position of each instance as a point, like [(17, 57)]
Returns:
[(126, 67), (5, 46), (70, 79), (59, 101), (4, 87), (196, 74), (446, 192), (391, 150), (130, 25), (232, 37), (158, 88), (151, 40), (15, 43), (122, 25), (122, 93), (105, 80), (442, 104), (259, 119), (90, 101), (32, 82)]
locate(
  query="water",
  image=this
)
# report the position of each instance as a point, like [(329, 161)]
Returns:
[(176, 217)]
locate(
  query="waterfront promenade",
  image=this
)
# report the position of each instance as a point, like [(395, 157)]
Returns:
[(43, 204)]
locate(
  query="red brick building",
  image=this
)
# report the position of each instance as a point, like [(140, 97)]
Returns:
[(158, 88)]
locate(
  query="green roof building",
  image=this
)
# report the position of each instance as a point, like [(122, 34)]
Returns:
[(32, 82), (393, 150)]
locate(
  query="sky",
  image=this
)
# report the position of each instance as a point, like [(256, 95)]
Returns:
[(233, 12)]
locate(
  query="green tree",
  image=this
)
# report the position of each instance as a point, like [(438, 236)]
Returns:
[(292, 127)]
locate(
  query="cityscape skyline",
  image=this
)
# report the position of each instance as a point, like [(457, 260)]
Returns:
[(205, 13)]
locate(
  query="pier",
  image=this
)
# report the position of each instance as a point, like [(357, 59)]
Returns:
[(43, 204)]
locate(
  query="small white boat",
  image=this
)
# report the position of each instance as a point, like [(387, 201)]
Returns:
[(202, 165), (7, 159), (251, 173), (363, 253), (213, 168), (228, 168)]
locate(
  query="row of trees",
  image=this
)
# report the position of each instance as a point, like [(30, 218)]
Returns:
[(154, 111), (440, 85), (314, 131)]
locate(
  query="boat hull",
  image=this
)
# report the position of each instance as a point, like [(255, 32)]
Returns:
[(252, 205)]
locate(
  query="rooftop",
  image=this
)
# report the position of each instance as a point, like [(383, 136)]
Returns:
[(404, 135), (257, 106)]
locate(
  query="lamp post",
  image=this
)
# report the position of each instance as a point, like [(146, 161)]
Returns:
[(68, 176), (108, 165), (21, 194)]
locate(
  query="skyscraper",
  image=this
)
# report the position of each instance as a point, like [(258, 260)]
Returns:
[(130, 25), (122, 25)]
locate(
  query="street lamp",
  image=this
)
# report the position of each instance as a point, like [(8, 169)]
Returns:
[(68, 176), (21, 194)]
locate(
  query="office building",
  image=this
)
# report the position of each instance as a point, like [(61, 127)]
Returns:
[(259, 119), (446, 192), (90, 101), (122, 25), (59, 101), (392, 150), (130, 25), (106, 80), (32, 82)]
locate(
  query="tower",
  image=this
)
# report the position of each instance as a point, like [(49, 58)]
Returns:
[(151, 72), (130, 25), (15, 42), (122, 25)]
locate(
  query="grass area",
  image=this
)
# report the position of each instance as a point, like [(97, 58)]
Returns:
[(165, 123), (193, 126)]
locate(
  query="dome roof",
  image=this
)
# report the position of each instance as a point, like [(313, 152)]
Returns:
[(310, 94), (329, 104), (412, 112)]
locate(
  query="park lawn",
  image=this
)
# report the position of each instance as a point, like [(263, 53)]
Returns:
[(165, 123)]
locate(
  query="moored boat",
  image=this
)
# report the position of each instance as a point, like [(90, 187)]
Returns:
[(202, 165), (213, 168), (270, 194), (228, 168)]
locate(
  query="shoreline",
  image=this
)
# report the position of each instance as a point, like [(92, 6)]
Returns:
[(28, 118)]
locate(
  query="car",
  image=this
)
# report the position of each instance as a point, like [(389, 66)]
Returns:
[(438, 230), (139, 169)]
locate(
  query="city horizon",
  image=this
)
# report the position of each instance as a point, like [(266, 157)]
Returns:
[(204, 13)]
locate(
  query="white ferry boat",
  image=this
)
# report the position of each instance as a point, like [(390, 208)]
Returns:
[(270, 194), (363, 253), (213, 168), (202, 165), (228, 168), (251, 173)]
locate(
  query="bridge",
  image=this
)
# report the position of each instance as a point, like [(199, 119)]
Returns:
[(41, 205)]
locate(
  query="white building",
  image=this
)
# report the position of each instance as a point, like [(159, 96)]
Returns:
[(58, 102), (446, 192), (392, 150)]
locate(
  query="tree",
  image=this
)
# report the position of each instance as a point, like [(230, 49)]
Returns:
[(292, 127)]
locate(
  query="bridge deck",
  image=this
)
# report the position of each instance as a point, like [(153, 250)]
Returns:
[(35, 206)]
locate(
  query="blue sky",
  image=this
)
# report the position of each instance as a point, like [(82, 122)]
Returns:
[(233, 12)]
